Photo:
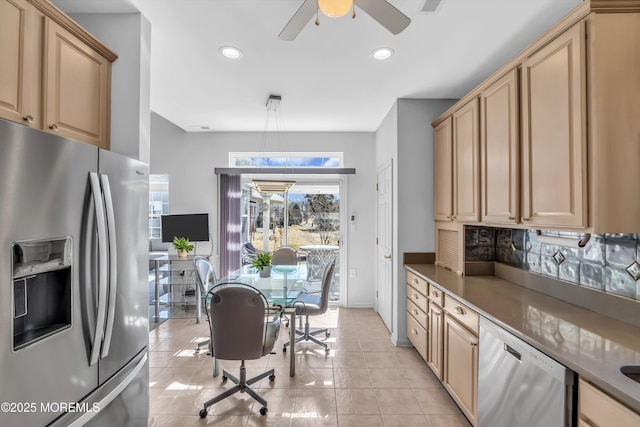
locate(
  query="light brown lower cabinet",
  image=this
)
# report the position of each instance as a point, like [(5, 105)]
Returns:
[(460, 375), (417, 335), (435, 339), (597, 409)]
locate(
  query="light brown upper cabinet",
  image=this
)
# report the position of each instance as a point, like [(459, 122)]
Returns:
[(499, 151), (554, 154), (578, 134), (77, 88), (20, 64), (466, 163), (443, 171), (54, 75)]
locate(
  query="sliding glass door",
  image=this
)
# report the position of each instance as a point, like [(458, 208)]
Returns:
[(306, 218)]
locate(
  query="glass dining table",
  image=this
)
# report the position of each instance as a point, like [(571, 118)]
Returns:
[(282, 287)]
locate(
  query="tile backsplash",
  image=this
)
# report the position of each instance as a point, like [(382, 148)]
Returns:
[(608, 262)]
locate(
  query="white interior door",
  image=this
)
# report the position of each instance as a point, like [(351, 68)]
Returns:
[(384, 247)]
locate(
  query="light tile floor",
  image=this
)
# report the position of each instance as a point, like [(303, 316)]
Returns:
[(363, 381)]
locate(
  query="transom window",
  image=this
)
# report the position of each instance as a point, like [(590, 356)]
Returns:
[(291, 160)]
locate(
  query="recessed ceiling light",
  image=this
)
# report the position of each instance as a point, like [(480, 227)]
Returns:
[(382, 53), (230, 52)]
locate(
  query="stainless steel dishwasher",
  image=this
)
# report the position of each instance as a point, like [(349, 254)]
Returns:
[(519, 386)]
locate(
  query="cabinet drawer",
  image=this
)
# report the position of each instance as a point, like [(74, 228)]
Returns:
[(598, 409), (417, 335), (417, 298), (417, 313), (418, 284), (436, 295), (462, 313)]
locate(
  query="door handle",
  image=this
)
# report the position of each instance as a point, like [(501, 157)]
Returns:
[(512, 352), (113, 263), (387, 256), (102, 266)]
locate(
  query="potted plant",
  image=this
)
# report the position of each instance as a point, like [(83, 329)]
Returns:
[(262, 262), (183, 246)]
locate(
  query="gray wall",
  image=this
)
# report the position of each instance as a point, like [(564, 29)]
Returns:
[(190, 158), (129, 35), (405, 137)]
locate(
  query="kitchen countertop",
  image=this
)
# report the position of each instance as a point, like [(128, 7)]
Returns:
[(590, 344)]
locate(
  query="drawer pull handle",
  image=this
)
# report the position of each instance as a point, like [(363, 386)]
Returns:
[(28, 118), (414, 331), (473, 344), (434, 293), (415, 311), (511, 218), (415, 296), (524, 219), (54, 127), (459, 310), (415, 281)]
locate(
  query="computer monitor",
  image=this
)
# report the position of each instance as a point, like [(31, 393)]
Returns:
[(194, 227)]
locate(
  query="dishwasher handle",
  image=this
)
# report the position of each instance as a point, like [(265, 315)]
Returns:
[(512, 352)]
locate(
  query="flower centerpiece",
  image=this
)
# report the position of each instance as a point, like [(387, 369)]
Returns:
[(183, 246), (262, 262)]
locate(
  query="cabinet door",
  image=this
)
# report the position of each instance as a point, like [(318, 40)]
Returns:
[(461, 367), (76, 94), (443, 171), (554, 135), (466, 162), (435, 340), (499, 152), (20, 65), (600, 410)]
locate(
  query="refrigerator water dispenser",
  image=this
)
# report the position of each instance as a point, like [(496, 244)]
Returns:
[(41, 294)]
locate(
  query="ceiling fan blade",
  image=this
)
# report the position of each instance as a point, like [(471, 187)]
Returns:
[(386, 14), (299, 20)]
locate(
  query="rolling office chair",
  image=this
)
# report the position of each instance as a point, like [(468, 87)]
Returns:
[(205, 279), (314, 304), (241, 329), (284, 260)]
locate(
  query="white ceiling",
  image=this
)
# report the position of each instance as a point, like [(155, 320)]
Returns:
[(326, 77)]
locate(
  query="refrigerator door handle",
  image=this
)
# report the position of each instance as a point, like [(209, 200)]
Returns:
[(113, 265), (102, 267)]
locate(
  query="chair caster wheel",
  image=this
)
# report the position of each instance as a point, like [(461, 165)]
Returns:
[(272, 377), (284, 349), (224, 379), (327, 334), (327, 350), (286, 324), (263, 411), (203, 413)]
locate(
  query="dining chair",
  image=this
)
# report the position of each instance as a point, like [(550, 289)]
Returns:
[(314, 304), (205, 279), (243, 327), (284, 260)]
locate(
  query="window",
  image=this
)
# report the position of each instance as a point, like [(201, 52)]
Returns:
[(286, 160), (158, 203)]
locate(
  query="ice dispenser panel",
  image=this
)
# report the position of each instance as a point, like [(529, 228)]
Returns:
[(41, 291)]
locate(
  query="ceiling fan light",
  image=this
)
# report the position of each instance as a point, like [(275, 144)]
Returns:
[(335, 8)]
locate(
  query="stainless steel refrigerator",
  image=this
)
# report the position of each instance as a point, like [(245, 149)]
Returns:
[(73, 283)]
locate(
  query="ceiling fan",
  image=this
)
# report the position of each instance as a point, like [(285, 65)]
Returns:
[(380, 10)]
